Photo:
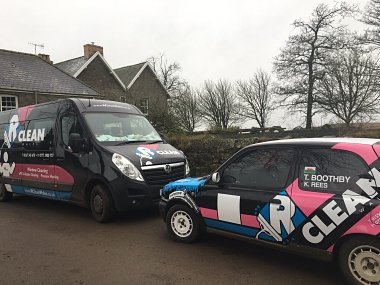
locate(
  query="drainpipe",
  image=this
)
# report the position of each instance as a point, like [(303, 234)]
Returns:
[(35, 97)]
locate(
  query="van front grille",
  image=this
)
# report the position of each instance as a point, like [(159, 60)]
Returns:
[(157, 177)]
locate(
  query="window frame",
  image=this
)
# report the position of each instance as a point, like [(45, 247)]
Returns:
[(9, 96), (144, 109), (77, 122), (290, 178), (316, 190)]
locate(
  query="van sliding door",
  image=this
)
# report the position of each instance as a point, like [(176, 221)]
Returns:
[(38, 160)]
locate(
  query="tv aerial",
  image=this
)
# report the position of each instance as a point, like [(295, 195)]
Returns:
[(36, 45)]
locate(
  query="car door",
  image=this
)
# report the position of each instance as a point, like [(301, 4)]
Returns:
[(252, 197), (329, 193)]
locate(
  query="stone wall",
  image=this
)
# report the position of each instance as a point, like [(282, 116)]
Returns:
[(205, 154), (29, 98), (147, 86), (99, 77)]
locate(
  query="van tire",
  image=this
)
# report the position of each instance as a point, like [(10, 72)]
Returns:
[(182, 224), (5, 196), (101, 204), (359, 260)]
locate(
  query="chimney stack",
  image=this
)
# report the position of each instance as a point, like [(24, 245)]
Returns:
[(90, 49), (45, 57)]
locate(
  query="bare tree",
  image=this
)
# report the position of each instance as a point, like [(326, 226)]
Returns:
[(219, 105), (371, 17), (301, 62), (185, 109), (168, 73), (256, 94), (350, 88), (158, 113)]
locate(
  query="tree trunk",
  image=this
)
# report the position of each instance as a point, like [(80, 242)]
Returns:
[(309, 108)]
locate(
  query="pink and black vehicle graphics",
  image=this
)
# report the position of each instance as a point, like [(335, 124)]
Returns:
[(27, 162), (68, 149), (295, 215)]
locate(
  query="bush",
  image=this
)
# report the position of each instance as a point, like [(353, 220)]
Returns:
[(206, 153)]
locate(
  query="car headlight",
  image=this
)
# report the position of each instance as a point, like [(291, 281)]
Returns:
[(126, 167), (187, 168)]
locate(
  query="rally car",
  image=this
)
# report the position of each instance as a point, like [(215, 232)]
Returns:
[(312, 195)]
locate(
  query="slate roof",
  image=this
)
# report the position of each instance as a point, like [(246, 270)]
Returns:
[(127, 73), (124, 75), (76, 65), (28, 72), (71, 66)]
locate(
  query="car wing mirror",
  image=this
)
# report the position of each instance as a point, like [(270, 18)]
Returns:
[(215, 177)]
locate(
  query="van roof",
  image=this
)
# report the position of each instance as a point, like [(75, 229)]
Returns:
[(322, 141), (95, 105)]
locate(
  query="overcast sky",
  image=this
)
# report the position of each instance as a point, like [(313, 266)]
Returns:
[(210, 39)]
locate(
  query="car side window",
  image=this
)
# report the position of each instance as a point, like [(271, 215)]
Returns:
[(327, 170), (261, 168)]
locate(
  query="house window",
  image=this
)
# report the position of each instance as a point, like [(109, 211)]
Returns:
[(123, 99), (144, 106), (8, 103)]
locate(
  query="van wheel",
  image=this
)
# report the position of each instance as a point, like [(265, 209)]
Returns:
[(182, 224), (5, 196), (102, 207), (359, 260)]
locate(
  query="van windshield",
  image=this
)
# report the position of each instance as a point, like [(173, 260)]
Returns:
[(121, 127)]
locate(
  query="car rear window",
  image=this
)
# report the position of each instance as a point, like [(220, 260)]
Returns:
[(326, 170)]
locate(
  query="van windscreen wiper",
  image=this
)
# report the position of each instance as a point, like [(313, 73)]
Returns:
[(156, 141), (128, 142)]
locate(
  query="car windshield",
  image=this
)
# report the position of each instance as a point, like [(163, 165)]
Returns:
[(121, 127)]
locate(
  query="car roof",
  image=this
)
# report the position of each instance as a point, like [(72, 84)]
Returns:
[(320, 141)]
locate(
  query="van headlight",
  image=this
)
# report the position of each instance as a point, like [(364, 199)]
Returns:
[(187, 168), (126, 167)]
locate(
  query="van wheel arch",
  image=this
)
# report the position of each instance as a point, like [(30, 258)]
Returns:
[(101, 203), (90, 185)]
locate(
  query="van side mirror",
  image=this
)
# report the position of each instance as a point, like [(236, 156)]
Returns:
[(215, 177), (162, 136), (76, 143)]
